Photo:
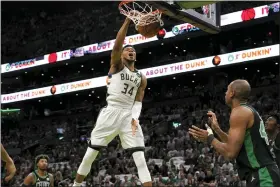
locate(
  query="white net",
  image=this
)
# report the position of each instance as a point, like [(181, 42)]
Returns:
[(140, 13)]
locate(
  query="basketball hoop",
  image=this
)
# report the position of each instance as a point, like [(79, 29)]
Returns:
[(140, 13)]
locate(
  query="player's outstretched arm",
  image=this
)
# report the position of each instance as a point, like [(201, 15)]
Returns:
[(117, 49), (239, 121), (10, 166)]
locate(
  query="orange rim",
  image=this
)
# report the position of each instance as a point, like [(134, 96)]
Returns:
[(157, 11), (124, 2)]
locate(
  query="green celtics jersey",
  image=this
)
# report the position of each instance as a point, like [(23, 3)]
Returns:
[(255, 152), (41, 181)]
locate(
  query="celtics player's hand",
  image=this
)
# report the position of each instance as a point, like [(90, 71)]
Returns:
[(11, 170), (213, 120), (134, 126), (200, 135)]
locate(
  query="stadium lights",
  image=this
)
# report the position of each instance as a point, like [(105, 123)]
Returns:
[(77, 94), (92, 69), (66, 64), (192, 81), (25, 72), (149, 88), (51, 77), (162, 43), (89, 94), (82, 66), (16, 77), (98, 97), (60, 103), (150, 52), (42, 74), (258, 70), (246, 68), (276, 63), (176, 47), (194, 74), (92, 91), (184, 50), (102, 62), (174, 78), (39, 101)]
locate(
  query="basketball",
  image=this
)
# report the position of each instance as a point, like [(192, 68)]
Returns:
[(150, 30), (216, 60)]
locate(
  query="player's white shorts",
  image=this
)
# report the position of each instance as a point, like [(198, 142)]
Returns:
[(111, 122)]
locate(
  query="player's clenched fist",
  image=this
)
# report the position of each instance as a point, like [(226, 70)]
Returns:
[(134, 126)]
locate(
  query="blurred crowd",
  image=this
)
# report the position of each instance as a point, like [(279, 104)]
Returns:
[(174, 158)]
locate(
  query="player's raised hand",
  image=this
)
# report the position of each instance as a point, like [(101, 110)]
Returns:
[(134, 126), (213, 120), (200, 135)]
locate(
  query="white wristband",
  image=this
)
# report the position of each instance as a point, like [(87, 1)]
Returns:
[(209, 130), (136, 110)]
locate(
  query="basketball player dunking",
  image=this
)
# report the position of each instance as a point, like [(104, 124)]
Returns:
[(39, 177), (246, 141), (125, 92)]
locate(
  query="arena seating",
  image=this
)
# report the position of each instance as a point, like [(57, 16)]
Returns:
[(59, 126)]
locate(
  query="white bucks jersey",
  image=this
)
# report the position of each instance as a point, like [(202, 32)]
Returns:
[(122, 88)]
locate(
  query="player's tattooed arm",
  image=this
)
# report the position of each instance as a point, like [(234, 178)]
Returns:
[(116, 53), (239, 120), (141, 90)]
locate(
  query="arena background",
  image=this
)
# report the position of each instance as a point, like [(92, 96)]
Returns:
[(53, 66)]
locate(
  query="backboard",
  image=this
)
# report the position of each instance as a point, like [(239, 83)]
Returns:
[(208, 20)]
